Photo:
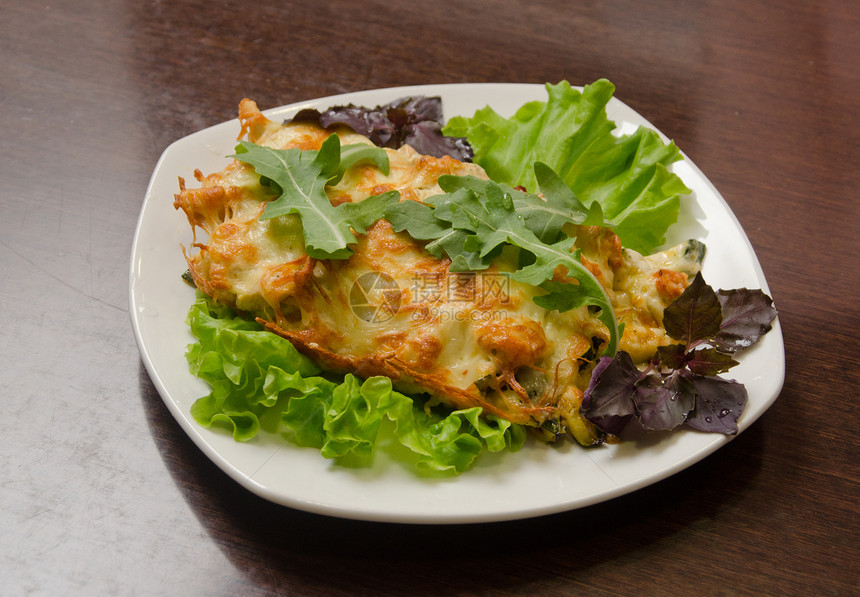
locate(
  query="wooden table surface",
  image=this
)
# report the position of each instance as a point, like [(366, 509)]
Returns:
[(102, 493)]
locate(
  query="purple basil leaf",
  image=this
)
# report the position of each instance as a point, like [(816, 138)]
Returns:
[(708, 361), (694, 316), (398, 117), (416, 121), (719, 403), (664, 402), (373, 124), (608, 401), (420, 108), (355, 117), (311, 115), (427, 138), (747, 316), (672, 356)]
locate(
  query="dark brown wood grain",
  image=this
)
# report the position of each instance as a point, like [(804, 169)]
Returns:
[(103, 493)]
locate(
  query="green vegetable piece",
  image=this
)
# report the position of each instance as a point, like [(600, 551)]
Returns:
[(260, 381), (301, 178), (561, 205), (570, 133), (362, 214), (241, 387), (495, 222), (419, 221), (358, 153), (488, 217)]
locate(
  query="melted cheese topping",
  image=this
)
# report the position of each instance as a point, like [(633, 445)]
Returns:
[(393, 309)]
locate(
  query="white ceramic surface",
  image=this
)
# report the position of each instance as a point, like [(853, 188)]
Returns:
[(534, 481)]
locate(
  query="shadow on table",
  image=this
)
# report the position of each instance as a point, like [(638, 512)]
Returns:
[(276, 547)]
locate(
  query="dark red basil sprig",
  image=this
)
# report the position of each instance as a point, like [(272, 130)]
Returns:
[(681, 386), (415, 121)]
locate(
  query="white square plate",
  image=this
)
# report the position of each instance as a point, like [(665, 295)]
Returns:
[(536, 480)]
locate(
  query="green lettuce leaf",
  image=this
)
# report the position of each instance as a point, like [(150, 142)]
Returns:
[(570, 133), (241, 391), (260, 381)]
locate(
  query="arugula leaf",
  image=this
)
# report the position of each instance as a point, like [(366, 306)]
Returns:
[(626, 175), (488, 217), (545, 216), (301, 178), (560, 205), (362, 214), (352, 155), (417, 218), (680, 386), (468, 224), (418, 221), (494, 219)]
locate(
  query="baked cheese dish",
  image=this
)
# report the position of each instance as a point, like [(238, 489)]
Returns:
[(393, 309)]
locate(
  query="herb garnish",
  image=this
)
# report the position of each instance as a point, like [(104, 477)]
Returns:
[(680, 385), (571, 133), (475, 218), (415, 121), (299, 179)]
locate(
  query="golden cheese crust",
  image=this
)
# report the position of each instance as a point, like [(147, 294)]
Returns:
[(391, 308)]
